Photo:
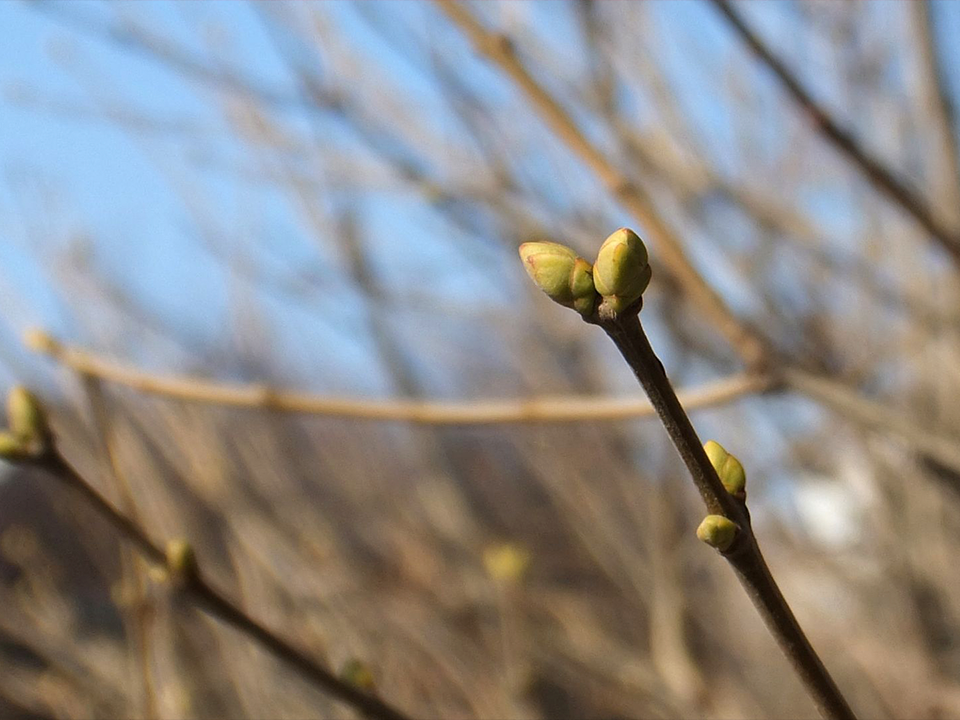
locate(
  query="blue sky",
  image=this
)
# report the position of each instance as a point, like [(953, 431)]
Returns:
[(75, 189)]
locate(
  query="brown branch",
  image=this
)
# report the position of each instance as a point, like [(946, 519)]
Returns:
[(545, 409), (876, 172), (195, 587), (936, 103), (744, 555), (496, 47), (530, 410), (848, 403)]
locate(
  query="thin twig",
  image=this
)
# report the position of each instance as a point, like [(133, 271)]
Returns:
[(545, 409), (744, 555), (927, 442), (212, 600), (529, 410), (878, 174), (939, 112)]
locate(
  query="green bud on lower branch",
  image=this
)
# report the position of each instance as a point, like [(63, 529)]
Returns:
[(729, 469), (27, 420), (557, 270), (13, 449), (718, 532), (622, 271), (358, 673), (181, 561)]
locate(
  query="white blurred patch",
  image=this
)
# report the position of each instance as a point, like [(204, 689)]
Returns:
[(832, 509)]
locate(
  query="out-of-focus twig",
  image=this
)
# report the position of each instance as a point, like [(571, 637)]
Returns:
[(545, 409), (218, 604), (498, 48), (848, 403), (751, 344), (879, 175), (141, 41), (134, 572), (940, 114), (30, 441), (530, 410)]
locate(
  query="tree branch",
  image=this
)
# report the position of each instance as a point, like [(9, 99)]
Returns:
[(745, 341), (206, 596), (935, 100), (529, 410), (876, 172), (744, 555), (752, 346), (545, 409)]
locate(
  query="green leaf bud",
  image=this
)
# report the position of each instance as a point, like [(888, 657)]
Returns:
[(27, 420), (581, 286), (506, 562), (718, 532), (557, 270), (181, 561), (358, 673), (622, 271), (13, 449), (729, 469)]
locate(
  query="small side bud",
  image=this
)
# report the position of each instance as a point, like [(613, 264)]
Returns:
[(40, 341), (158, 574), (718, 532), (26, 418), (13, 449), (557, 270), (181, 561), (581, 287), (507, 562), (729, 469), (622, 271), (358, 673)]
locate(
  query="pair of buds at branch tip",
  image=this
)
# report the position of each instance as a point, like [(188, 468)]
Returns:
[(718, 531), (28, 435), (613, 284)]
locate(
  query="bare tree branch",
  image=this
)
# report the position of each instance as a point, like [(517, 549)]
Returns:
[(498, 48), (529, 410), (876, 172)]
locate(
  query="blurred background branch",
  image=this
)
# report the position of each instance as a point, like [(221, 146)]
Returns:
[(329, 197), (480, 412)]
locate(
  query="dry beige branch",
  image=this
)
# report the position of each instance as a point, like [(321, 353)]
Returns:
[(498, 48), (751, 345), (867, 413), (877, 173), (543, 409)]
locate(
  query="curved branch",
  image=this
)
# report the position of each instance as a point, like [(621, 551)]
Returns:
[(530, 410)]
